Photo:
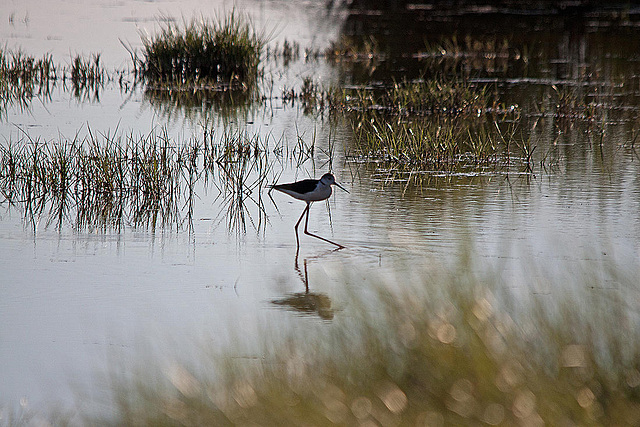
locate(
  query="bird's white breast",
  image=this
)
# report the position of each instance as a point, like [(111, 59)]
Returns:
[(322, 192)]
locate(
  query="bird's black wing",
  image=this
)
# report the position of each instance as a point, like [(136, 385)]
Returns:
[(300, 187)]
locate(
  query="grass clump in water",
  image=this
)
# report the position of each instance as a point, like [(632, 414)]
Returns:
[(441, 97), (23, 77), (225, 51), (434, 143), (87, 76), (112, 181), (97, 182)]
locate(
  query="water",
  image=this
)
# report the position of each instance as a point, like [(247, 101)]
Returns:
[(71, 297)]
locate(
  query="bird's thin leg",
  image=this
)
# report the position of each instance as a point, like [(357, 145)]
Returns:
[(306, 223), (305, 211)]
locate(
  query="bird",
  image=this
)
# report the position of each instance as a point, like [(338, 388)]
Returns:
[(309, 191)]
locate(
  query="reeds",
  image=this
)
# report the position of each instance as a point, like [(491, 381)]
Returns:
[(435, 143), (243, 169), (97, 182), (355, 50), (442, 97), (219, 52), (111, 181), (480, 54), (435, 123), (87, 76), (23, 77)]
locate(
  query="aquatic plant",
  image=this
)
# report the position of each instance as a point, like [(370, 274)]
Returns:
[(436, 123), (110, 181), (87, 76), (486, 54), (354, 49), (243, 168), (289, 52), (444, 97), (24, 77), (436, 143), (219, 52)]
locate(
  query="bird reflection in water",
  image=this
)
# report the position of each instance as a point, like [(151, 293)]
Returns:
[(307, 303)]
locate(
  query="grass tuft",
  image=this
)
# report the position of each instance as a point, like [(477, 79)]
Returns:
[(224, 51), (87, 76), (435, 123), (23, 77)]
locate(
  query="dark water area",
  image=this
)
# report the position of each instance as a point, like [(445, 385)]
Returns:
[(522, 49)]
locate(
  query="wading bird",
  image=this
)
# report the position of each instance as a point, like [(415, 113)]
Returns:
[(309, 191)]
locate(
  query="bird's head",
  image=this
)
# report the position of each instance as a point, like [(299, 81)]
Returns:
[(329, 179)]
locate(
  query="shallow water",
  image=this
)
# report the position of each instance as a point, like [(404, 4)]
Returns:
[(69, 296)]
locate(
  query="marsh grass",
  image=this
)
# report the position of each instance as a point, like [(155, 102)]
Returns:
[(225, 51), (441, 349), (355, 49), (435, 97), (435, 123), (287, 53), (473, 54), (24, 77), (428, 142), (573, 105), (87, 77), (114, 180), (101, 181), (244, 169)]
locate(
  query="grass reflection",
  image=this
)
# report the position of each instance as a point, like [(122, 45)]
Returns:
[(433, 348), (202, 102)]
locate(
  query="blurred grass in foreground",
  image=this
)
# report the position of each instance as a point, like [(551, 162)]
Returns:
[(431, 348)]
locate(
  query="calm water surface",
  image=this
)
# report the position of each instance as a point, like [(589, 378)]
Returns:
[(71, 297)]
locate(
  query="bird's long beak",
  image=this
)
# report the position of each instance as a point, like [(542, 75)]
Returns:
[(341, 187)]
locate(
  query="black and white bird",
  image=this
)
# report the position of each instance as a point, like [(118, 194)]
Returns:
[(309, 191)]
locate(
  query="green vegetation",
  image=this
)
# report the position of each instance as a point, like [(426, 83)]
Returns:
[(354, 49), (243, 168), (110, 181), (435, 143), (442, 349), (427, 97), (485, 54), (24, 77), (100, 181), (192, 62), (222, 52), (437, 123), (19, 69)]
